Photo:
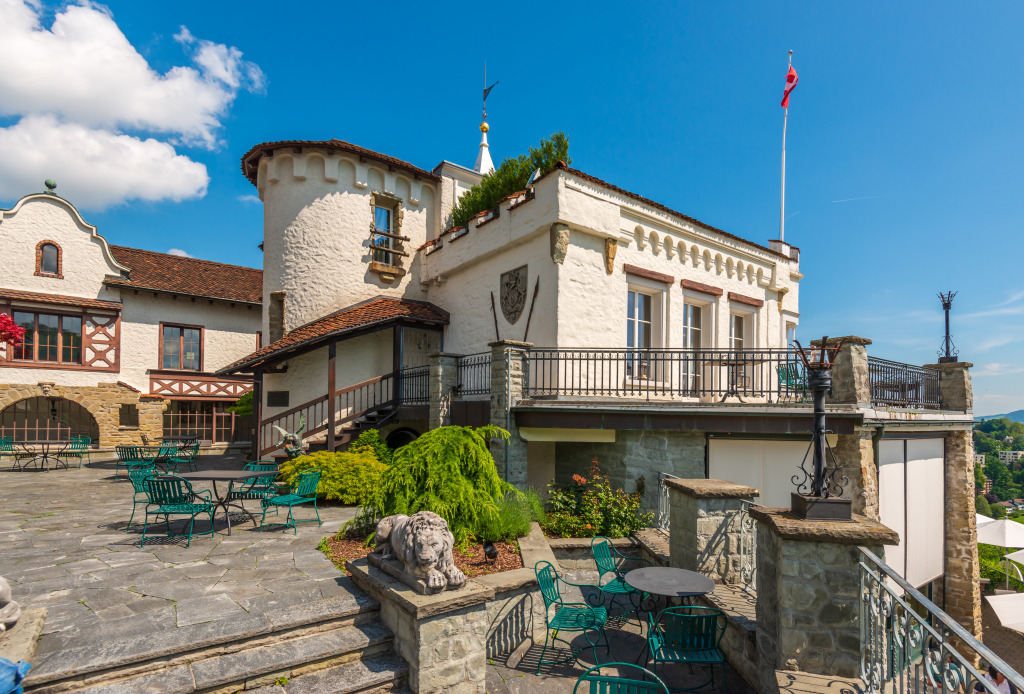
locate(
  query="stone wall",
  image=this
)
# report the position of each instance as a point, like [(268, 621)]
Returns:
[(104, 403), (808, 583), (855, 454), (509, 371), (635, 454), (444, 376), (961, 597), (576, 553), (706, 526)]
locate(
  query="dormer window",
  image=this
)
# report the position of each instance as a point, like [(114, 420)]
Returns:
[(48, 260)]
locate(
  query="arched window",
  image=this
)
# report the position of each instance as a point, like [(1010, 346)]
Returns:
[(48, 260)]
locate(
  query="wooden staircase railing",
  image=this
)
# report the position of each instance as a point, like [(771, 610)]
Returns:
[(350, 403)]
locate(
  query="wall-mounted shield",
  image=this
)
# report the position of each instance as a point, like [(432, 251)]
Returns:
[(513, 293)]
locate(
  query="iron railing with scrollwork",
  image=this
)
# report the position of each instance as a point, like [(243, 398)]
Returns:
[(903, 385), (748, 549), (909, 646), (474, 374), (414, 386), (661, 518), (762, 375)]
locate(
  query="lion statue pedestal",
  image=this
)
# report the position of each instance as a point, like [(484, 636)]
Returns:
[(417, 550)]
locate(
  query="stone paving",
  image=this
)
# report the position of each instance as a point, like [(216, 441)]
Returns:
[(63, 546)]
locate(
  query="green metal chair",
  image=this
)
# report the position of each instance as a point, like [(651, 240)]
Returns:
[(173, 496), (690, 635), (568, 616), (303, 492), (256, 487), (138, 476), (75, 450), (792, 379), (598, 683), (130, 456), (181, 455), (610, 561), (85, 445)]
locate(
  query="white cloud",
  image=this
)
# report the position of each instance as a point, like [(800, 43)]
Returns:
[(997, 369), (83, 68), (179, 252), (94, 168), (249, 199)]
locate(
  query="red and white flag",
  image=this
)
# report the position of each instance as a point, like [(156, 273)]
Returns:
[(790, 84)]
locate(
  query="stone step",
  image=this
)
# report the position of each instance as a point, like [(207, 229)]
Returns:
[(257, 667), (380, 673), (135, 654)]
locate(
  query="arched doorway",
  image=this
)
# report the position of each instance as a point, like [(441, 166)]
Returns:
[(47, 419)]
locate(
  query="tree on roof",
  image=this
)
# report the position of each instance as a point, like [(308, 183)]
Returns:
[(510, 177)]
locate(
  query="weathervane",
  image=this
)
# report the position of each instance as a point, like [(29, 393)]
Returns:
[(487, 90), (948, 352)]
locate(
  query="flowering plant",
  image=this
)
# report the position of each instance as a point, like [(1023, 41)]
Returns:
[(10, 332), (590, 506)]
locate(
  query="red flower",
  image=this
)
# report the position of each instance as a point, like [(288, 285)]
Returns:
[(579, 479)]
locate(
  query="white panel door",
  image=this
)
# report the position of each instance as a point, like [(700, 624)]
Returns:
[(925, 510), (892, 501), (765, 465)]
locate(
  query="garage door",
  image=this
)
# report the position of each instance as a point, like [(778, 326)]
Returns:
[(911, 501), (766, 465)]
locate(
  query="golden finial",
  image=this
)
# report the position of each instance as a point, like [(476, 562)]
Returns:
[(484, 127)]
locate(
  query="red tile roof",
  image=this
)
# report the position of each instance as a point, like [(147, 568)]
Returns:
[(176, 274), (375, 312), (251, 159), (58, 299), (562, 166)]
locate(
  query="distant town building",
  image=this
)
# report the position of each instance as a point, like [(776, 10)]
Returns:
[(1010, 456)]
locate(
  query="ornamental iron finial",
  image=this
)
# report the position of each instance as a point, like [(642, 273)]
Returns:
[(948, 351)]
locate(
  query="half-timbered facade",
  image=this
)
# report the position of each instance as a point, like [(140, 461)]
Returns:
[(120, 342)]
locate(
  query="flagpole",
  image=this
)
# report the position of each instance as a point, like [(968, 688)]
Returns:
[(782, 208)]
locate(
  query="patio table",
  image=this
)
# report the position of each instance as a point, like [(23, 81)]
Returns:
[(669, 582), (44, 451), (229, 476)]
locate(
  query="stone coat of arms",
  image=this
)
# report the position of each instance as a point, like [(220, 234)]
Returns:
[(513, 293)]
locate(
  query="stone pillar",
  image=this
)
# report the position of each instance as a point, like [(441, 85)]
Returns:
[(955, 391), (808, 587), (509, 373), (855, 454), (444, 376), (850, 384), (961, 596), (705, 526)]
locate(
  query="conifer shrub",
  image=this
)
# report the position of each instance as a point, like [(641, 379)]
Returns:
[(511, 176), (371, 441), (353, 478), (590, 506)]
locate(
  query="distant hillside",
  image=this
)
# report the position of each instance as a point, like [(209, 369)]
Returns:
[(1016, 416)]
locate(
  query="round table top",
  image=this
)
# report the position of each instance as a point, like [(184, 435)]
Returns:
[(225, 475), (669, 582)]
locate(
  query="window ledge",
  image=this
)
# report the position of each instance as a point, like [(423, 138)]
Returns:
[(388, 273)]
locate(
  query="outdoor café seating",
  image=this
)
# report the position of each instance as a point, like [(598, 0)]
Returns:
[(173, 496)]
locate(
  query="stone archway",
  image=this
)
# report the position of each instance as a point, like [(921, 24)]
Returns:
[(47, 418)]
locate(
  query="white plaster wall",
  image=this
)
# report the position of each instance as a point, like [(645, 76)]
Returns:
[(86, 259), (358, 359), (317, 219)]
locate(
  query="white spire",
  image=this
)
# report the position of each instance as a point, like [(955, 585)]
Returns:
[(484, 165)]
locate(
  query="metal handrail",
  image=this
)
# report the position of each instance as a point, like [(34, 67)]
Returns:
[(903, 385), (474, 374), (414, 385), (880, 572)]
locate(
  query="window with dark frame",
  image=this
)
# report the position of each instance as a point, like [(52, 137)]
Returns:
[(48, 263), (128, 415), (382, 217), (49, 337), (181, 348)]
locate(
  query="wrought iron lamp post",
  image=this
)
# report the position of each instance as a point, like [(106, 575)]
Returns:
[(948, 353), (819, 493)]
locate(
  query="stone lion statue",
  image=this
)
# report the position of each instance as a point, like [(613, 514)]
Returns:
[(422, 543), (10, 610)]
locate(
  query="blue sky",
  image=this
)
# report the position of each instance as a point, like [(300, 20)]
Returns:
[(904, 146)]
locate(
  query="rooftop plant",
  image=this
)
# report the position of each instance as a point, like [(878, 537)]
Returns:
[(511, 177)]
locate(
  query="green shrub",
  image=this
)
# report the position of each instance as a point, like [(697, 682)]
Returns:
[(351, 478), (981, 506), (371, 441), (510, 177), (449, 471), (242, 406), (590, 507), (515, 511)]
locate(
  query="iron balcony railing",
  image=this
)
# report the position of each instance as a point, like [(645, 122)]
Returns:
[(414, 386), (474, 374), (909, 646), (705, 375), (903, 385), (748, 549)]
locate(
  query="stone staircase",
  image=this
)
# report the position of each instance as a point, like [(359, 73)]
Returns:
[(335, 646)]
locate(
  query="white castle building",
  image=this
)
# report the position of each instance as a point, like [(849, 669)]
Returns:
[(120, 342)]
